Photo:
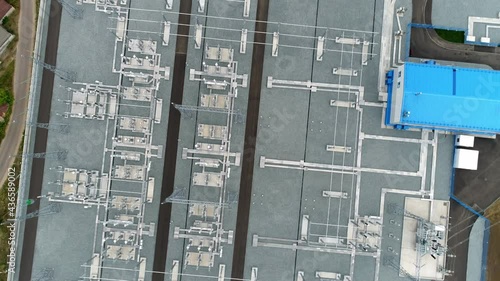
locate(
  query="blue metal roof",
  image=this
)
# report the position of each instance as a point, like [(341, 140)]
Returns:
[(452, 98)]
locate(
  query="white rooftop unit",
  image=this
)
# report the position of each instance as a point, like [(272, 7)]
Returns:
[(486, 40), (466, 159), (464, 141), (471, 38)]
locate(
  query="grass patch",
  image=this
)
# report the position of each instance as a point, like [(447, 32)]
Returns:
[(4, 216), (6, 96), (37, 9), (7, 77), (451, 35)]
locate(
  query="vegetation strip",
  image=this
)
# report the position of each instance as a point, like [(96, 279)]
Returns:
[(6, 214), (453, 36)]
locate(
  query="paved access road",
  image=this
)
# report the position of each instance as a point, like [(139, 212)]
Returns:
[(425, 43), (22, 75)]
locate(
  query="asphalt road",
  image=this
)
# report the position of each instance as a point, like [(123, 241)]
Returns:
[(460, 219), (22, 75), (478, 189), (26, 264)]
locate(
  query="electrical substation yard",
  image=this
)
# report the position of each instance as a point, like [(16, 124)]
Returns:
[(333, 193)]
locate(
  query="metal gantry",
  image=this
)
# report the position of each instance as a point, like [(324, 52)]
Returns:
[(59, 155), (68, 76), (57, 127), (188, 111), (45, 274), (179, 194), (74, 12), (52, 208)]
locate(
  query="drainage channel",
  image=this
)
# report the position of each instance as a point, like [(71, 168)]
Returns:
[(247, 167), (174, 118), (35, 189)]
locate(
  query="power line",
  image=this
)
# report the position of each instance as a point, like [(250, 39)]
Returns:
[(74, 12), (52, 208), (45, 274), (164, 273), (470, 225), (68, 76), (248, 20), (465, 240), (206, 27), (57, 127), (59, 155)]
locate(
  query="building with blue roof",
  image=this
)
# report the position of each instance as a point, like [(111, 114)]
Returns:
[(446, 98)]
